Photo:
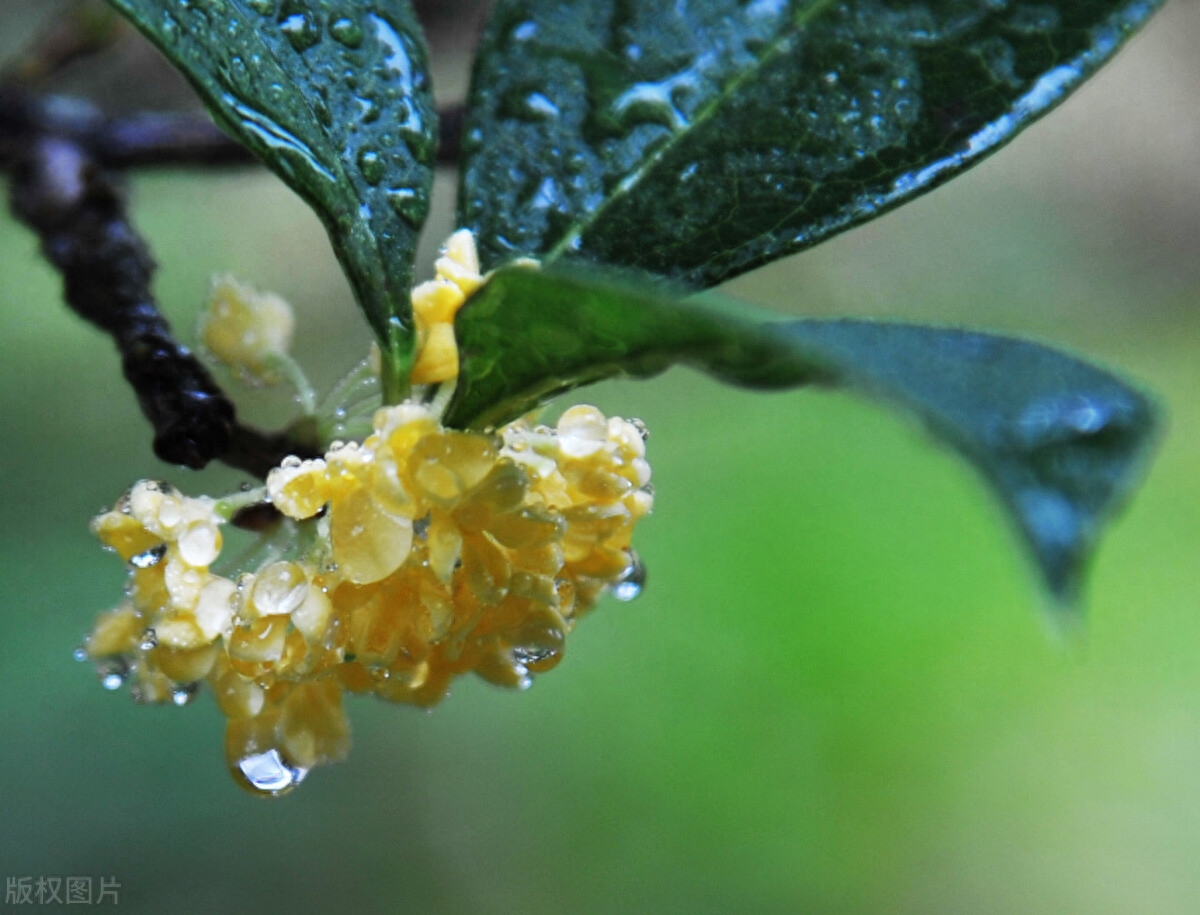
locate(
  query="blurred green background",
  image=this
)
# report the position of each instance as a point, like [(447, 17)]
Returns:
[(838, 694)]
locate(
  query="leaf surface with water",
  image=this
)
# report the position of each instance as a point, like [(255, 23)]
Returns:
[(701, 139), (1060, 441), (334, 96)]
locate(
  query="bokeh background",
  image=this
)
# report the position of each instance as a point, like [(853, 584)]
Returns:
[(838, 694)]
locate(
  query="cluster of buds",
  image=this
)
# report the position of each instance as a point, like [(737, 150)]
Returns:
[(392, 566), (400, 563)]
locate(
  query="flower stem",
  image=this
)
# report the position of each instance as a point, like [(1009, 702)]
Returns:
[(290, 369), (231, 504)]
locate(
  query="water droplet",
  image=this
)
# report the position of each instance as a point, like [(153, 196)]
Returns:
[(524, 31), (80, 654), (149, 558), (291, 462), (658, 102), (112, 680), (302, 33), (410, 204), (200, 544), (368, 111), (1058, 420), (396, 59), (633, 581), (268, 773), (149, 640), (170, 28), (540, 106), (546, 196), (641, 429), (831, 78), (529, 657), (371, 166), (182, 695), (279, 589), (275, 137), (346, 31)]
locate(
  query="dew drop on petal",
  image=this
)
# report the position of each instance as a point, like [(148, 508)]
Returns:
[(149, 558), (279, 588), (200, 544)]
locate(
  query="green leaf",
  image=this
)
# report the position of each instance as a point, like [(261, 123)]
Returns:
[(1060, 441), (698, 140), (333, 96)]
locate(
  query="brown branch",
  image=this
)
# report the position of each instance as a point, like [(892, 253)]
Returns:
[(78, 212), (151, 140), (61, 154)]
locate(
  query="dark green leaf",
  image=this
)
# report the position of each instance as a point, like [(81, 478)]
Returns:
[(700, 139), (333, 96), (1061, 442)]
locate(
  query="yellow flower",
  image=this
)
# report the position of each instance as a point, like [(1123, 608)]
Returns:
[(435, 304), (418, 555), (400, 562), (247, 329)]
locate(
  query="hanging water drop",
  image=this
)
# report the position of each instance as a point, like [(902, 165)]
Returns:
[(182, 695), (633, 582), (268, 773)]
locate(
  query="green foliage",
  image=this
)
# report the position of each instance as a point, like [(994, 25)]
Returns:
[(688, 142), (700, 140), (334, 97), (1060, 441)]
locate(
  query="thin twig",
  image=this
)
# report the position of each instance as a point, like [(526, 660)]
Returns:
[(150, 140)]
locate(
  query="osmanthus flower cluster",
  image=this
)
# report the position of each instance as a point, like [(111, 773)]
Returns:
[(399, 563)]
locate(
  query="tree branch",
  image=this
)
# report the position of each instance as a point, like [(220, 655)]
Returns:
[(150, 140), (61, 153), (78, 212)]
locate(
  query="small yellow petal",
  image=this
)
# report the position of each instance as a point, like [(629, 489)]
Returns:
[(438, 359), (244, 328)]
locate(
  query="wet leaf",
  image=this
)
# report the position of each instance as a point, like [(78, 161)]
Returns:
[(698, 140), (1060, 441), (333, 96)]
